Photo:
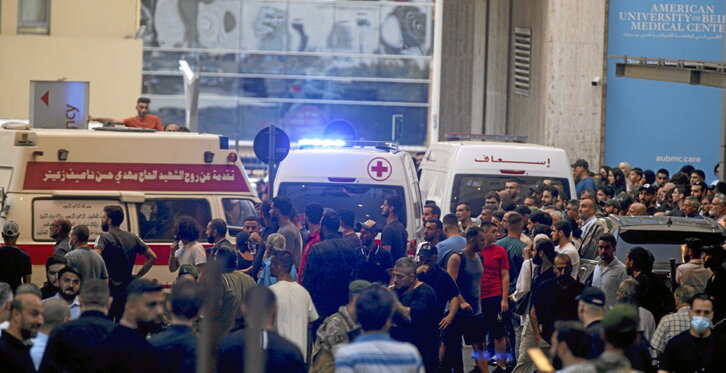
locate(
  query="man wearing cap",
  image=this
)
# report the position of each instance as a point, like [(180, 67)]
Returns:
[(647, 194), (675, 323), (582, 175), (433, 275), (337, 330), (14, 262), (371, 262), (591, 311), (697, 349), (620, 329)]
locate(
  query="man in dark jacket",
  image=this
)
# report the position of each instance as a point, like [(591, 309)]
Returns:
[(328, 268)]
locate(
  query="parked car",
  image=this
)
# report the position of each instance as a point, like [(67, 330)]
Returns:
[(662, 235)]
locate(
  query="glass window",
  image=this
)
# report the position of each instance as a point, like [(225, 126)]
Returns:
[(237, 210), (473, 188), (158, 216), (79, 211), (364, 200), (34, 17)]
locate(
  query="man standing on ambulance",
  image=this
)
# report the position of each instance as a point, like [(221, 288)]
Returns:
[(144, 119)]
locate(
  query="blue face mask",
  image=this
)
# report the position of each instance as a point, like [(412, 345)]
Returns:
[(700, 324)]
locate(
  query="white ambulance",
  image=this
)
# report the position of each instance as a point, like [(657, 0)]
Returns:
[(465, 170), (353, 175), (154, 176)]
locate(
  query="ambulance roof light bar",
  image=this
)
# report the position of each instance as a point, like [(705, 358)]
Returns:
[(333, 143), (484, 137)]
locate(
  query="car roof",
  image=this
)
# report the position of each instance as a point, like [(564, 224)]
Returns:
[(659, 223)]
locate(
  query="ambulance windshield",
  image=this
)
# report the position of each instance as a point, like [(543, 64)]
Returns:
[(474, 188), (364, 200)]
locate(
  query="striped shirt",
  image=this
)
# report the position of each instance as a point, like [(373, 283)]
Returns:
[(378, 352)]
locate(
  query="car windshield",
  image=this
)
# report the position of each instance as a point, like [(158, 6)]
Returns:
[(364, 200), (472, 188)]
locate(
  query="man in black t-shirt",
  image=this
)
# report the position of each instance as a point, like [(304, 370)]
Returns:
[(442, 283), (119, 249), (697, 349), (126, 349), (14, 262), (416, 318), (371, 262), (394, 237)]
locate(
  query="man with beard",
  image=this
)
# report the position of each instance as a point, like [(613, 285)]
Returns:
[(654, 295), (716, 286), (394, 235), (70, 286), (280, 214), (445, 288), (466, 268), (372, 262), (26, 317), (217, 234), (554, 300), (59, 231), (53, 265), (85, 260), (118, 249), (415, 317), (718, 209), (569, 348), (14, 262), (610, 271), (126, 348)]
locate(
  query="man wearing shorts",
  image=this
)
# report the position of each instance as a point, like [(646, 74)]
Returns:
[(494, 284), (465, 267)]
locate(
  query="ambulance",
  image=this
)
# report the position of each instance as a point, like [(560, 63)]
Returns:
[(353, 175), (464, 170), (154, 177)]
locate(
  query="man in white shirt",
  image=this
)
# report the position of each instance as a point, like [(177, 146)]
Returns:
[(692, 272), (186, 249), (610, 271), (295, 309), (561, 236)]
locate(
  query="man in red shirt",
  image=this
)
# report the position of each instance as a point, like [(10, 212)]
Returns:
[(494, 284), (144, 119)]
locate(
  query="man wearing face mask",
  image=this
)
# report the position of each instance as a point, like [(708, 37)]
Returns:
[(716, 286), (697, 349)]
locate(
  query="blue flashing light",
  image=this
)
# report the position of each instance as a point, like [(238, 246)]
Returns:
[(321, 143)]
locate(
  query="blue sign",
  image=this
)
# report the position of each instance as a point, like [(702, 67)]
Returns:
[(653, 124)]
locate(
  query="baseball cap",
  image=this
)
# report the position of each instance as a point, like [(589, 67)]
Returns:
[(592, 295), (622, 317), (368, 225), (581, 163), (650, 189), (427, 249), (357, 286), (11, 229), (188, 269)]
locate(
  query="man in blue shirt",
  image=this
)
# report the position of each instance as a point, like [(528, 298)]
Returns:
[(453, 242), (374, 349), (581, 173)]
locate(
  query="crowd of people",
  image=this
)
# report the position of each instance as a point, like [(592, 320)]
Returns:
[(343, 293)]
